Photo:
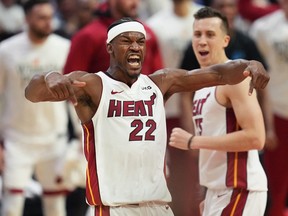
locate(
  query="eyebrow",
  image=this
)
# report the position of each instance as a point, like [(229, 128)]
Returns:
[(128, 37)]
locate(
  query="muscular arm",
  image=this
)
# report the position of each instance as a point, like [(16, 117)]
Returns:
[(58, 87), (171, 81), (81, 88)]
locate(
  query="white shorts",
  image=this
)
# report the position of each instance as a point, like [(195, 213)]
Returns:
[(145, 209), (24, 160), (237, 202)]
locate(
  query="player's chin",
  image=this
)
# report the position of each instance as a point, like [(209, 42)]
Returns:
[(134, 73)]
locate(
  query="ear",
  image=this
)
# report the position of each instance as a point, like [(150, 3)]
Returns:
[(109, 48), (226, 40)]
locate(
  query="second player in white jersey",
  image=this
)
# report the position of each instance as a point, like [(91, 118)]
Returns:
[(240, 169)]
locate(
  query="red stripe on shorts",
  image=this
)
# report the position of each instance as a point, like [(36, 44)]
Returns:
[(237, 203), (102, 210)]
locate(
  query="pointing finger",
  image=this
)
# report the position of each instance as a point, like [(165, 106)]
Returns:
[(251, 87), (246, 73)]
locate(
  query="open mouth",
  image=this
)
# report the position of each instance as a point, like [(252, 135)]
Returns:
[(134, 60), (203, 53)]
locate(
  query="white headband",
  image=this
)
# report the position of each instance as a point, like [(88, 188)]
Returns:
[(125, 27)]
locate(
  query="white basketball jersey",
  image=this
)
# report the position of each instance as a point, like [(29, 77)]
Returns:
[(220, 169), (125, 144)]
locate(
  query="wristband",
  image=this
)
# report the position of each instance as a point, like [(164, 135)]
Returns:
[(45, 77), (190, 142)]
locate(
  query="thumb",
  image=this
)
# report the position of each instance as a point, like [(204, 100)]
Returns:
[(246, 73), (251, 87), (73, 100)]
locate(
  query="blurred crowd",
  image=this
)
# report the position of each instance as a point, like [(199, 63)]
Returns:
[(258, 30)]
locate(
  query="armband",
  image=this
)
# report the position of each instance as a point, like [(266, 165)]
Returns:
[(45, 77)]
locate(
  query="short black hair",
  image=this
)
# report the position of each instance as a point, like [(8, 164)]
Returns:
[(208, 12), (120, 21), (29, 4)]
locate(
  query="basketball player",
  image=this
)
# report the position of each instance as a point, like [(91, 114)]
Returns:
[(123, 119), (35, 135), (230, 130)]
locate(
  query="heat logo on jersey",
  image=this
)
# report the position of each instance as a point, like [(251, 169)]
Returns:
[(119, 108), (197, 112)]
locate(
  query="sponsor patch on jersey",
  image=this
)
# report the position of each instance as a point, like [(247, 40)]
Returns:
[(146, 88)]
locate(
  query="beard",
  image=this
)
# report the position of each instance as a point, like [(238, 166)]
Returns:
[(41, 34)]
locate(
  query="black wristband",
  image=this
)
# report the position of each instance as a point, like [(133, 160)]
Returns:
[(190, 142)]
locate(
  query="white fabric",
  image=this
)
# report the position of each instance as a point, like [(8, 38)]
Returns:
[(130, 170), (271, 36), (22, 120), (174, 36), (72, 166), (211, 119), (35, 134), (133, 26), (12, 19), (216, 200), (21, 161), (149, 7)]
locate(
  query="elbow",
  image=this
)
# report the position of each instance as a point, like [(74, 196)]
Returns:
[(257, 142)]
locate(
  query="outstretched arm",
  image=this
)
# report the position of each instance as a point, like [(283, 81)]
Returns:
[(54, 86), (171, 81), (231, 74)]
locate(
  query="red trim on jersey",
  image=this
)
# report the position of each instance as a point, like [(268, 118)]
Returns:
[(55, 192), (237, 203), (92, 185), (102, 210), (236, 175)]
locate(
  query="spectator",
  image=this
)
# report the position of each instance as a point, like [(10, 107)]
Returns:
[(252, 11), (12, 18), (35, 137), (73, 15), (67, 17), (88, 50), (149, 7), (85, 11), (270, 33)]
